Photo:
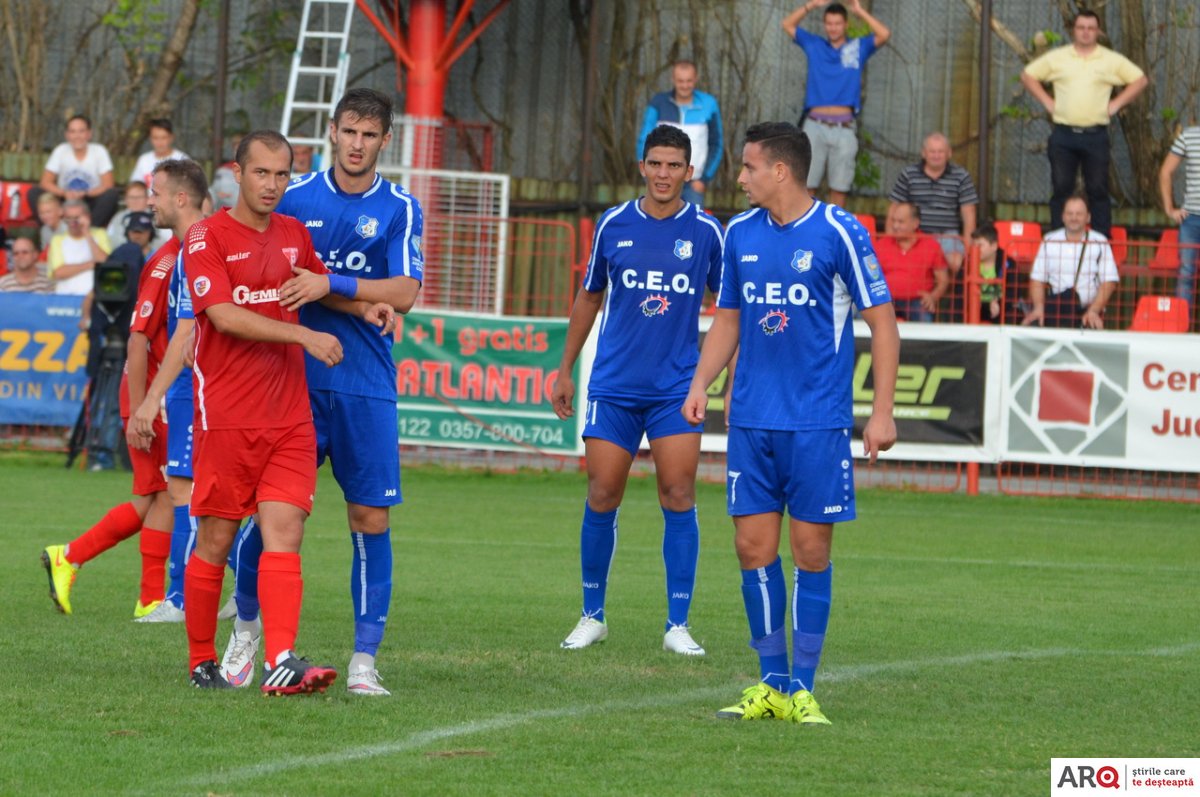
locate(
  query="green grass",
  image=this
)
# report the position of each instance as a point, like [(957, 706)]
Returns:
[(972, 639)]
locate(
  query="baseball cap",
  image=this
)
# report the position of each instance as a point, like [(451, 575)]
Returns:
[(139, 220)]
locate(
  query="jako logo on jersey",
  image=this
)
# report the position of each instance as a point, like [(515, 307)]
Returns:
[(243, 295), (196, 247), (367, 226), (623, 244), (683, 249), (237, 256), (774, 321), (292, 253), (314, 223), (749, 258), (655, 305), (146, 309), (200, 286), (801, 260)]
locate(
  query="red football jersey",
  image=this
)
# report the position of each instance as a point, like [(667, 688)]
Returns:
[(247, 384), (150, 313)]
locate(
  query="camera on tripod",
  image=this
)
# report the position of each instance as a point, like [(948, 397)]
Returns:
[(113, 290)]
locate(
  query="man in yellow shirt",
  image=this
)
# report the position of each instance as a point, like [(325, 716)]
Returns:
[(1083, 75)]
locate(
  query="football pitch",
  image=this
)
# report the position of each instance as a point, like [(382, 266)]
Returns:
[(971, 640)]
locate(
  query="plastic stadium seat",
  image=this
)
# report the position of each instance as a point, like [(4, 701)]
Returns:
[(1166, 255), (1019, 240), (868, 222), (16, 210), (1119, 238), (1161, 314)]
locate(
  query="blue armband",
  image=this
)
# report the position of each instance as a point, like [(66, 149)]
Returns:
[(343, 286)]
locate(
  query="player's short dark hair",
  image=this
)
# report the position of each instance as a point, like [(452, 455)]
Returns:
[(786, 143), (685, 62), (271, 139), (1081, 198), (366, 104), (669, 136), (836, 8), (161, 123), (986, 232), (81, 117), (1087, 12), (188, 176), (913, 208)]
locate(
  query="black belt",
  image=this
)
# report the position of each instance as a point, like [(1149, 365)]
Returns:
[(1092, 129)]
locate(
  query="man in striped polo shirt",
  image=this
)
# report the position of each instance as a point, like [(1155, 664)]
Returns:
[(945, 195), (1186, 146)]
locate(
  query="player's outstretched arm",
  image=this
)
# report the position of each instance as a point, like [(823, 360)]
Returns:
[(880, 431), (719, 346), (229, 319), (583, 317)]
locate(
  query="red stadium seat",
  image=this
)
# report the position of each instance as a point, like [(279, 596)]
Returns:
[(1019, 240), (868, 222), (1119, 238), (1161, 314), (16, 210), (1166, 256)]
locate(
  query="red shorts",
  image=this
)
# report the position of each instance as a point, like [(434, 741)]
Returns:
[(237, 469), (149, 467)]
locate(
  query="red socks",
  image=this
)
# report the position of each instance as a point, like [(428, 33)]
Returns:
[(155, 546), (202, 597), (119, 524), (280, 592)]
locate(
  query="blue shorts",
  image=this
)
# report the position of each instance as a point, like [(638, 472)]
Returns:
[(810, 473), (360, 437), (623, 422), (180, 417)]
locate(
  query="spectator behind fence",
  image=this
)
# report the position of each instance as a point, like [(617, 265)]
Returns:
[(945, 195), (137, 200), (79, 169), (1186, 146), (996, 304), (696, 114), (23, 276), (73, 255), (162, 147), (1076, 265), (833, 90), (1083, 75), (913, 264)]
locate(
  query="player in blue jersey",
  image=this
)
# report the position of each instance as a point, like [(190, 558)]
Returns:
[(653, 256), (368, 232), (792, 268)]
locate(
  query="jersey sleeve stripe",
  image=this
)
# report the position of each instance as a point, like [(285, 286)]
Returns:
[(589, 274), (859, 283)]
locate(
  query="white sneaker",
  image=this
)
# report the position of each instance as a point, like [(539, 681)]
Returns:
[(679, 640), (229, 610), (366, 681), (165, 612), (237, 665), (586, 632)]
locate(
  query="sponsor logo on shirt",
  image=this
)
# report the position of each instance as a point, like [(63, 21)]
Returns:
[(871, 263), (243, 295), (749, 258), (802, 260), (201, 286), (314, 223), (367, 226), (773, 322), (655, 281), (777, 293), (146, 309), (195, 247), (655, 305), (623, 244), (236, 257), (683, 249)]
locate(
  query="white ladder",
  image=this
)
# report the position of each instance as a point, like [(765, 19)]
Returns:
[(317, 80)]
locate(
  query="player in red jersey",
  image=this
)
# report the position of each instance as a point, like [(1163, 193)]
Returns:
[(255, 446)]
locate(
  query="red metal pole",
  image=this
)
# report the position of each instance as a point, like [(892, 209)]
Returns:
[(426, 83)]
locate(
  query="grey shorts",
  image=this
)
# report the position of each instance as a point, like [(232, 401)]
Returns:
[(833, 152)]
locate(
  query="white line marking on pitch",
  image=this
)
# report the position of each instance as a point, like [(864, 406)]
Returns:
[(851, 672)]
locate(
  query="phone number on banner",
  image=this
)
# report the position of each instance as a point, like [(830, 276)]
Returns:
[(508, 432)]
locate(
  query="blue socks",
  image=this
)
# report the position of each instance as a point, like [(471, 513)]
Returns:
[(810, 616), (183, 539), (243, 558), (680, 549), (765, 595), (370, 588), (597, 543)]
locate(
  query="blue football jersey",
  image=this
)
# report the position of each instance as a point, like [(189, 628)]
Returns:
[(179, 305), (372, 235), (655, 271), (793, 286)]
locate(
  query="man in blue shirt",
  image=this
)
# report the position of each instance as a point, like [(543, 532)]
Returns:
[(792, 268), (696, 114), (833, 90), (368, 232), (652, 257)]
